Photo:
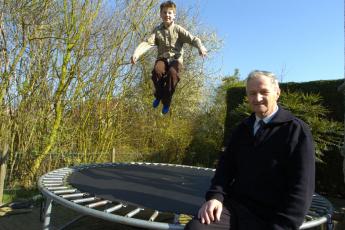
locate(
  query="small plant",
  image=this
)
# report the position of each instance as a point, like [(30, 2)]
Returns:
[(18, 194)]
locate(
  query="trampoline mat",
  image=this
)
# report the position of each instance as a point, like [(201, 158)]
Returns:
[(165, 188)]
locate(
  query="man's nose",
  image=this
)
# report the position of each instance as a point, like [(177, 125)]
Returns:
[(258, 97)]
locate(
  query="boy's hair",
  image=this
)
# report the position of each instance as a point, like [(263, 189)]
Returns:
[(168, 4)]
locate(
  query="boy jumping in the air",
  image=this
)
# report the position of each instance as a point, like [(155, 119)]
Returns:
[(169, 39)]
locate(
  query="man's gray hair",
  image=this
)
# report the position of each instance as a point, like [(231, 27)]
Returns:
[(260, 73)]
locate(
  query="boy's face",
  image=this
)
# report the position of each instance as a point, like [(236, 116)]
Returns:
[(168, 15)]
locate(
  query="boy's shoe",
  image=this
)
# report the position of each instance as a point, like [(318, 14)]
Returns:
[(155, 103), (165, 109)]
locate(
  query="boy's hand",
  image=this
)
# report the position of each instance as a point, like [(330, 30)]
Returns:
[(133, 60), (160, 69), (203, 52)]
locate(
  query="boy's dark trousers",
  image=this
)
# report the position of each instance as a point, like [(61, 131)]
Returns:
[(165, 77)]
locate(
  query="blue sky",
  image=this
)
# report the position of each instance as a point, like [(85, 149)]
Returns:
[(299, 40)]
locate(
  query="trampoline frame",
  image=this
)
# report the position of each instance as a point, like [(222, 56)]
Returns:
[(55, 188)]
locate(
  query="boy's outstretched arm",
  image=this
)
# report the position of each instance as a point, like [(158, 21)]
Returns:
[(187, 37), (143, 48), (140, 50)]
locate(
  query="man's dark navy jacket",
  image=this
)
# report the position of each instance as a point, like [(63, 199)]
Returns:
[(273, 176)]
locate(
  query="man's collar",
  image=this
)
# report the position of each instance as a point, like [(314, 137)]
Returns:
[(269, 117), (281, 116)]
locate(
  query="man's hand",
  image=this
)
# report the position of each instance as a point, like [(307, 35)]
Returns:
[(210, 211)]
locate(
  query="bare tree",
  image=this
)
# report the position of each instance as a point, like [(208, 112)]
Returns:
[(71, 96)]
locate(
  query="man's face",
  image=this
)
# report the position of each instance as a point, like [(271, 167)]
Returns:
[(168, 15), (262, 95)]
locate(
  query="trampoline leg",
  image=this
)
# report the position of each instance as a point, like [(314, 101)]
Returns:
[(47, 213), (330, 225)]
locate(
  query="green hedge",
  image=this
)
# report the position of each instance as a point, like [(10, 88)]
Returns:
[(333, 100), (328, 175)]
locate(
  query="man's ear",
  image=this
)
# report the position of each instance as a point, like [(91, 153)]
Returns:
[(278, 93)]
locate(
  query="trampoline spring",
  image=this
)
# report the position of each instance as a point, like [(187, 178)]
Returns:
[(134, 212), (184, 218), (312, 213), (154, 216), (83, 200), (74, 195), (54, 177), (56, 188), (64, 191), (52, 184), (63, 170), (318, 208), (59, 173), (115, 208), (97, 204), (319, 202), (52, 181), (321, 209), (308, 217)]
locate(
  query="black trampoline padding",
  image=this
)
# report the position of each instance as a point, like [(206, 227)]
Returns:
[(160, 187)]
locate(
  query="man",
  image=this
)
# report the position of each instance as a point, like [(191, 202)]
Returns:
[(265, 178)]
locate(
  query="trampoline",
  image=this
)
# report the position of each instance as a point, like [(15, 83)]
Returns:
[(145, 195)]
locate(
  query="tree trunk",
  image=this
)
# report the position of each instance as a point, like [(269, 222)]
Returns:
[(3, 159), (75, 36)]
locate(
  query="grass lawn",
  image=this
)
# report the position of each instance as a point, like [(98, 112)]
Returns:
[(18, 194)]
